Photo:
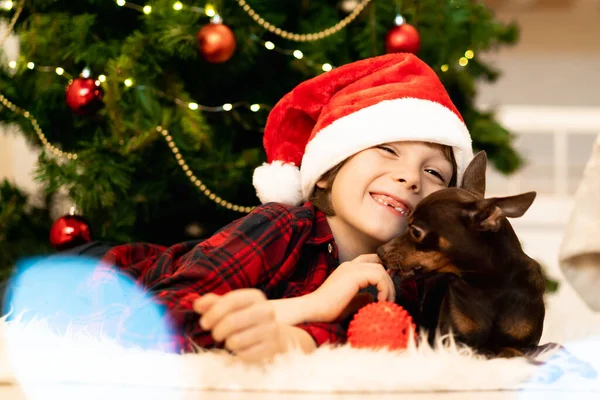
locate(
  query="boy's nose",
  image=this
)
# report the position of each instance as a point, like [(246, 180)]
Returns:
[(411, 182)]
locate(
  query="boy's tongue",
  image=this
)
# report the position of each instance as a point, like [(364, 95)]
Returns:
[(388, 200)]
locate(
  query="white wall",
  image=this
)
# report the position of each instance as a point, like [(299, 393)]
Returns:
[(556, 62)]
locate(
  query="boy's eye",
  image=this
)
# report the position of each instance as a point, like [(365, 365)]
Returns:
[(388, 149), (437, 174)]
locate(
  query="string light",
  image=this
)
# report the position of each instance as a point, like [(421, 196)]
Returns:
[(295, 53), (169, 139), (210, 11), (469, 54), (7, 5), (463, 62), (444, 68), (129, 82)]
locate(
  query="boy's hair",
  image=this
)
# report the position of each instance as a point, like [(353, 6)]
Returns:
[(322, 200)]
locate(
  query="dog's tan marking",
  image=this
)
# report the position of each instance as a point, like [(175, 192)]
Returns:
[(444, 243), (461, 322), (516, 328), (431, 261), (510, 352)]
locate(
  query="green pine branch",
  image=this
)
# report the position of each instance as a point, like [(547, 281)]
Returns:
[(126, 180)]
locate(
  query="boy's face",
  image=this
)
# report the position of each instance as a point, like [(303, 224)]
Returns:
[(376, 189)]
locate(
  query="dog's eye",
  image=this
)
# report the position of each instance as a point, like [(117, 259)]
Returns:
[(416, 233)]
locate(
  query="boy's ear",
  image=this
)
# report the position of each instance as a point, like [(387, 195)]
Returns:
[(322, 183), (488, 213), (474, 175)]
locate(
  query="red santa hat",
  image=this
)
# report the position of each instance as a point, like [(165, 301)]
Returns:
[(335, 115)]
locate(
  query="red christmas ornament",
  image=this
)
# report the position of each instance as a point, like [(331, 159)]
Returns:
[(403, 38), (381, 324), (69, 231), (217, 42), (84, 96)]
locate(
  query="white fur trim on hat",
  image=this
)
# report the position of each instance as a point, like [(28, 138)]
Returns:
[(404, 119), (278, 182)]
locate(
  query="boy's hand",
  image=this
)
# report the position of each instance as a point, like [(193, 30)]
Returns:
[(244, 320), (339, 295)]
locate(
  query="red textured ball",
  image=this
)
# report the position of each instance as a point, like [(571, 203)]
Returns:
[(69, 231), (381, 325), (84, 96), (403, 39)]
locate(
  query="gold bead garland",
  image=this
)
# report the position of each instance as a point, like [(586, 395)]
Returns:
[(53, 149), (73, 156), (304, 37), (197, 182), (12, 23)]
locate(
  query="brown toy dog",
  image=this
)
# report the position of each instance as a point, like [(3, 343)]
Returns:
[(478, 283)]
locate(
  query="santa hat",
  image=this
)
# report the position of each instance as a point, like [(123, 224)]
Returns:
[(327, 119)]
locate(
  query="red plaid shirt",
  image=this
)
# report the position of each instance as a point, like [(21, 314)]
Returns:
[(284, 251)]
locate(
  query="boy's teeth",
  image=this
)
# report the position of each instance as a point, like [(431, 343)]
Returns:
[(399, 209)]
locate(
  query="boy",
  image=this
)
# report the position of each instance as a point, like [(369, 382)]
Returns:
[(350, 153)]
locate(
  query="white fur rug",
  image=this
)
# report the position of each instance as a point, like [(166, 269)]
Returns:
[(31, 356)]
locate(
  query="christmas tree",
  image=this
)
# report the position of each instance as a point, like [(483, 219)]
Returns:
[(150, 113)]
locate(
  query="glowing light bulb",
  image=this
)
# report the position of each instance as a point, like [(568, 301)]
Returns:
[(209, 10)]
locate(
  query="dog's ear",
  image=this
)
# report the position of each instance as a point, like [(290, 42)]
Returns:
[(474, 175), (488, 213)]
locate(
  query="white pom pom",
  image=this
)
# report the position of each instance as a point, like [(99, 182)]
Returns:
[(278, 182)]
